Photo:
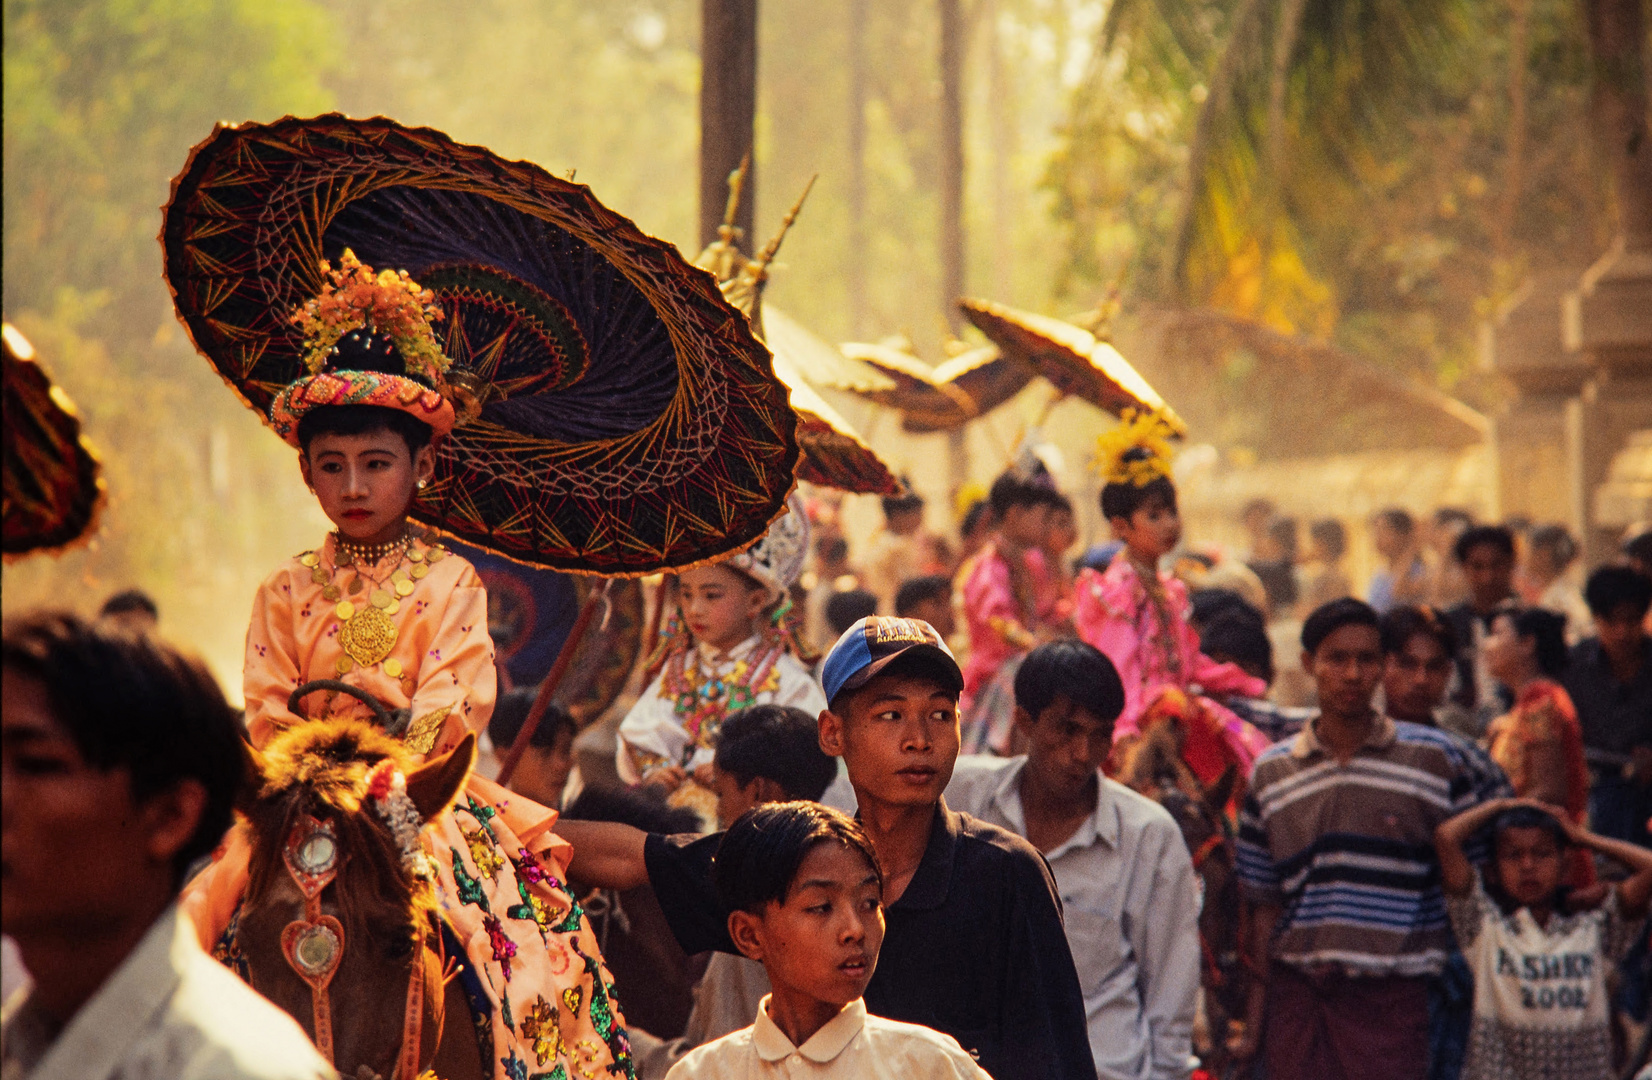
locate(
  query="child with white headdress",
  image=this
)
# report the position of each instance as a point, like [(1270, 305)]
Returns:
[(728, 647)]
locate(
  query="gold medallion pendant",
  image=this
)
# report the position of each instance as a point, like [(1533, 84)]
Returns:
[(367, 635)]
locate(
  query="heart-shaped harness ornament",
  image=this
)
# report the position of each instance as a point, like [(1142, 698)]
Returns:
[(314, 945), (314, 949)]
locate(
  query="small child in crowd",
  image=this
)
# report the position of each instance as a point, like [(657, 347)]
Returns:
[(1541, 1010), (1137, 615), (728, 647), (803, 889)]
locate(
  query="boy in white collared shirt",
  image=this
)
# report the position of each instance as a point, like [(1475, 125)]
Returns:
[(803, 888)]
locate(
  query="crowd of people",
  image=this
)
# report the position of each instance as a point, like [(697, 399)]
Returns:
[(989, 807)]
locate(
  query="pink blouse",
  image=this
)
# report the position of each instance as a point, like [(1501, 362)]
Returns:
[(1115, 614)]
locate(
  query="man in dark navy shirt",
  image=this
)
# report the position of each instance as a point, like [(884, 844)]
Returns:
[(974, 946), (1610, 681)]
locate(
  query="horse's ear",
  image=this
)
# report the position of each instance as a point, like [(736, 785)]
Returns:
[(252, 777), (434, 785), (1218, 794)]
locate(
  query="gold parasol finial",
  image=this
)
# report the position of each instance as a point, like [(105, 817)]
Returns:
[(757, 271)]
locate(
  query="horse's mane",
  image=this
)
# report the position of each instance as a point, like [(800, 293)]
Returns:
[(320, 768)]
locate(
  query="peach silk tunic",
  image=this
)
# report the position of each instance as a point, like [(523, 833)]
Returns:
[(499, 869)]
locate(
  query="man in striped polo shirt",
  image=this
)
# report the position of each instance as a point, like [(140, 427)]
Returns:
[(1336, 858)]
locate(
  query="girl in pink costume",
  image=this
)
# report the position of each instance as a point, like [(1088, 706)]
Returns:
[(1137, 614)]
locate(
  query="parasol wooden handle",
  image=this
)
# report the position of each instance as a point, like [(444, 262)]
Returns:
[(547, 689)]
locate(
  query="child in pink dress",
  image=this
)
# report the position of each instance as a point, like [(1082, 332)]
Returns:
[(1001, 587), (1137, 614)]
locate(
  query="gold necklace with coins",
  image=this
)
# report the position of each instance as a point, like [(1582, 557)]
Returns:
[(367, 634)]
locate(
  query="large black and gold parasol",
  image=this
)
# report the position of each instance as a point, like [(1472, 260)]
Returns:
[(52, 488), (629, 423)]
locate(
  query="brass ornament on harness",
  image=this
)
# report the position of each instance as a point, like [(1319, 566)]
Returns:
[(314, 945)]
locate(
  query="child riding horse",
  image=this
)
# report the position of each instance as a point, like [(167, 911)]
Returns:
[(400, 624)]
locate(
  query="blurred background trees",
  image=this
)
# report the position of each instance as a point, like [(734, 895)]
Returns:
[(1380, 173)]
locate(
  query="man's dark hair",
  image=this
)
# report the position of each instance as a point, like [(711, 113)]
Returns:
[(1054, 499), (1327, 619), (131, 702), (1495, 536), (1448, 515), (906, 502), (1234, 635), (1329, 534), (1010, 491), (832, 548), (1639, 548), (637, 807), (1612, 587), (1557, 542), (1397, 519), (1071, 669), (914, 591), (130, 600), (1548, 631), (1399, 625), (511, 711), (845, 609), (1211, 604), (973, 517), (1282, 531), (1123, 500), (779, 743), (759, 856)]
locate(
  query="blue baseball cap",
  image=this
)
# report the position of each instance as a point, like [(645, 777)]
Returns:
[(873, 643)]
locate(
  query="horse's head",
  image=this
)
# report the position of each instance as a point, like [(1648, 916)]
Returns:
[(338, 927), (1152, 764)]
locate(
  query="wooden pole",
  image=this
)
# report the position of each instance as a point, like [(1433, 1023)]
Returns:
[(952, 162), (728, 109), (858, 248), (547, 689)]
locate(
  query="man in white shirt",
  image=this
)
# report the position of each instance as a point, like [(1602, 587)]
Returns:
[(1131, 904), (120, 762)]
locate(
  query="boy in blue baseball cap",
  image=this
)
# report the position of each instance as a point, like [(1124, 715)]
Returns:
[(975, 946)]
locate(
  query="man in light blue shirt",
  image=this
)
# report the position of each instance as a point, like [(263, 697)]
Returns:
[(1129, 898)]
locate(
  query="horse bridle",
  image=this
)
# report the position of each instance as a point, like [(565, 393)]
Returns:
[(314, 945)]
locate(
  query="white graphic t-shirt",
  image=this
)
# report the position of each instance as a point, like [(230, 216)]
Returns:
[(1540, 1007)]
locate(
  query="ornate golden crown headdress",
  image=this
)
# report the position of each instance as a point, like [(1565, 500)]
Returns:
[(391, 303), (1147, 432)]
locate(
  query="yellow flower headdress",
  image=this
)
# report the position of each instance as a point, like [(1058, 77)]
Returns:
[(1147, 432), (390, 302)]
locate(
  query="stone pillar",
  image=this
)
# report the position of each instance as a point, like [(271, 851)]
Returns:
[(1607, 322), (1529, 438)]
